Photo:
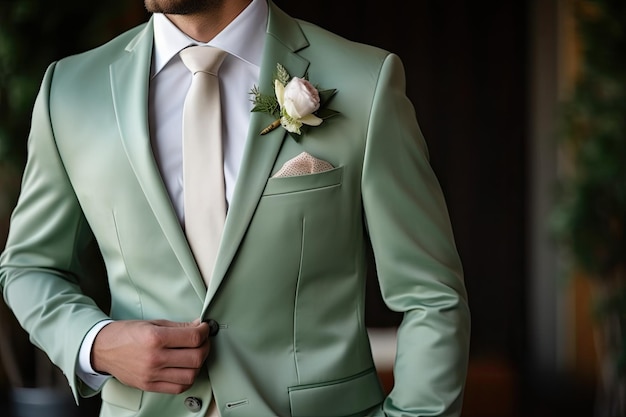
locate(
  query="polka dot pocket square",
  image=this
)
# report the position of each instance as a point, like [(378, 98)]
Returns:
[(303, 164)]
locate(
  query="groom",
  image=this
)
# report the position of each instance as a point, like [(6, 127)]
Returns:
[(276, 327)]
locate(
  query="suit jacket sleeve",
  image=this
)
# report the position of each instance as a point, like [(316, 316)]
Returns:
[(39, 268), (419, 270)]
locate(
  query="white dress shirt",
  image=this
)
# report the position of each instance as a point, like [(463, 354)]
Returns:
[(243, 39)]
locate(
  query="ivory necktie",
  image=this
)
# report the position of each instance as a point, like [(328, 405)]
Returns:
[(203, 172)]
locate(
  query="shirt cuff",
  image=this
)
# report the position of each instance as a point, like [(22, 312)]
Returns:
[(84, 370)]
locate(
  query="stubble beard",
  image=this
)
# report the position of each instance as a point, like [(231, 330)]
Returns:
[(181, 7)]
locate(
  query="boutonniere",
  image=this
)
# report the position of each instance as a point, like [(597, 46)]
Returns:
[(296, 103)]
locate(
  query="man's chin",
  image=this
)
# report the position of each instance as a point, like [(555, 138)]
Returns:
[(181, 7)]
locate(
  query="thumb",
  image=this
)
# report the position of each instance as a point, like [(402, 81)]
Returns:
[(179, 324)]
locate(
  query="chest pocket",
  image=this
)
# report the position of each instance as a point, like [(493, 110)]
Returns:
[(301, 183)]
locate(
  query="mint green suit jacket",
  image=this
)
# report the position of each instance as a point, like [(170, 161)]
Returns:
[(289, 284)]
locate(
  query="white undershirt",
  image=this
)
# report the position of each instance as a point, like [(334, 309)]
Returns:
[(243, 39)]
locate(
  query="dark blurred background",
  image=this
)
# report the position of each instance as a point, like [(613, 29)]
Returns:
[(487, 80)]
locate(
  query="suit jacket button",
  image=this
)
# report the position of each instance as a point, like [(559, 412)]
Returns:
[(193, 404), (214, 327)]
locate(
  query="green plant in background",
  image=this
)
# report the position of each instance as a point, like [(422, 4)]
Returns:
[(33, 33), (590, 216)]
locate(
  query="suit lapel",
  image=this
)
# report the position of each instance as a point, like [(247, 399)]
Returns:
[(130, 83), (283, 39)]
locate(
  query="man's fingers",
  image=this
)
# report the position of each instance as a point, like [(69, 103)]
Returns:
[(178, 376), (169, 334), (186, 358), (179, 324)]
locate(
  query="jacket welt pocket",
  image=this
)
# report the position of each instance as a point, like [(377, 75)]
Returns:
[(344, 397), (300, 183)]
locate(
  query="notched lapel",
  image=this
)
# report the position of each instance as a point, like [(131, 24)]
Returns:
[(130, 84)]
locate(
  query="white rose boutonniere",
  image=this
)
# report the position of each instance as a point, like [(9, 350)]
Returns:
[(296, 103)]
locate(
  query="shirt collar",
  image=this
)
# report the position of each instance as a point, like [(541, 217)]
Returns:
[(243, 37)]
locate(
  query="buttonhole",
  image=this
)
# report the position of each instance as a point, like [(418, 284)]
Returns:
[(236, 403)]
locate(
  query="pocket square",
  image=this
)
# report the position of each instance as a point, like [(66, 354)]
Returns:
[(303, 164)]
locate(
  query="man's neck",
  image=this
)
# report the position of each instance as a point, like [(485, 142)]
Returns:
[(205, 26)]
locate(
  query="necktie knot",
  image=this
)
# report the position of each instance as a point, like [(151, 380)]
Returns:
[(203, 59)]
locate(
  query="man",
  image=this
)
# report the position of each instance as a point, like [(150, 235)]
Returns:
[(279, 328)]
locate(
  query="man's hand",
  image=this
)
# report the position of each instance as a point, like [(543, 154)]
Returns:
[(159, 355)]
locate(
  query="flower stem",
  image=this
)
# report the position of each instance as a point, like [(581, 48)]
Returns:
[(271, 127)]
